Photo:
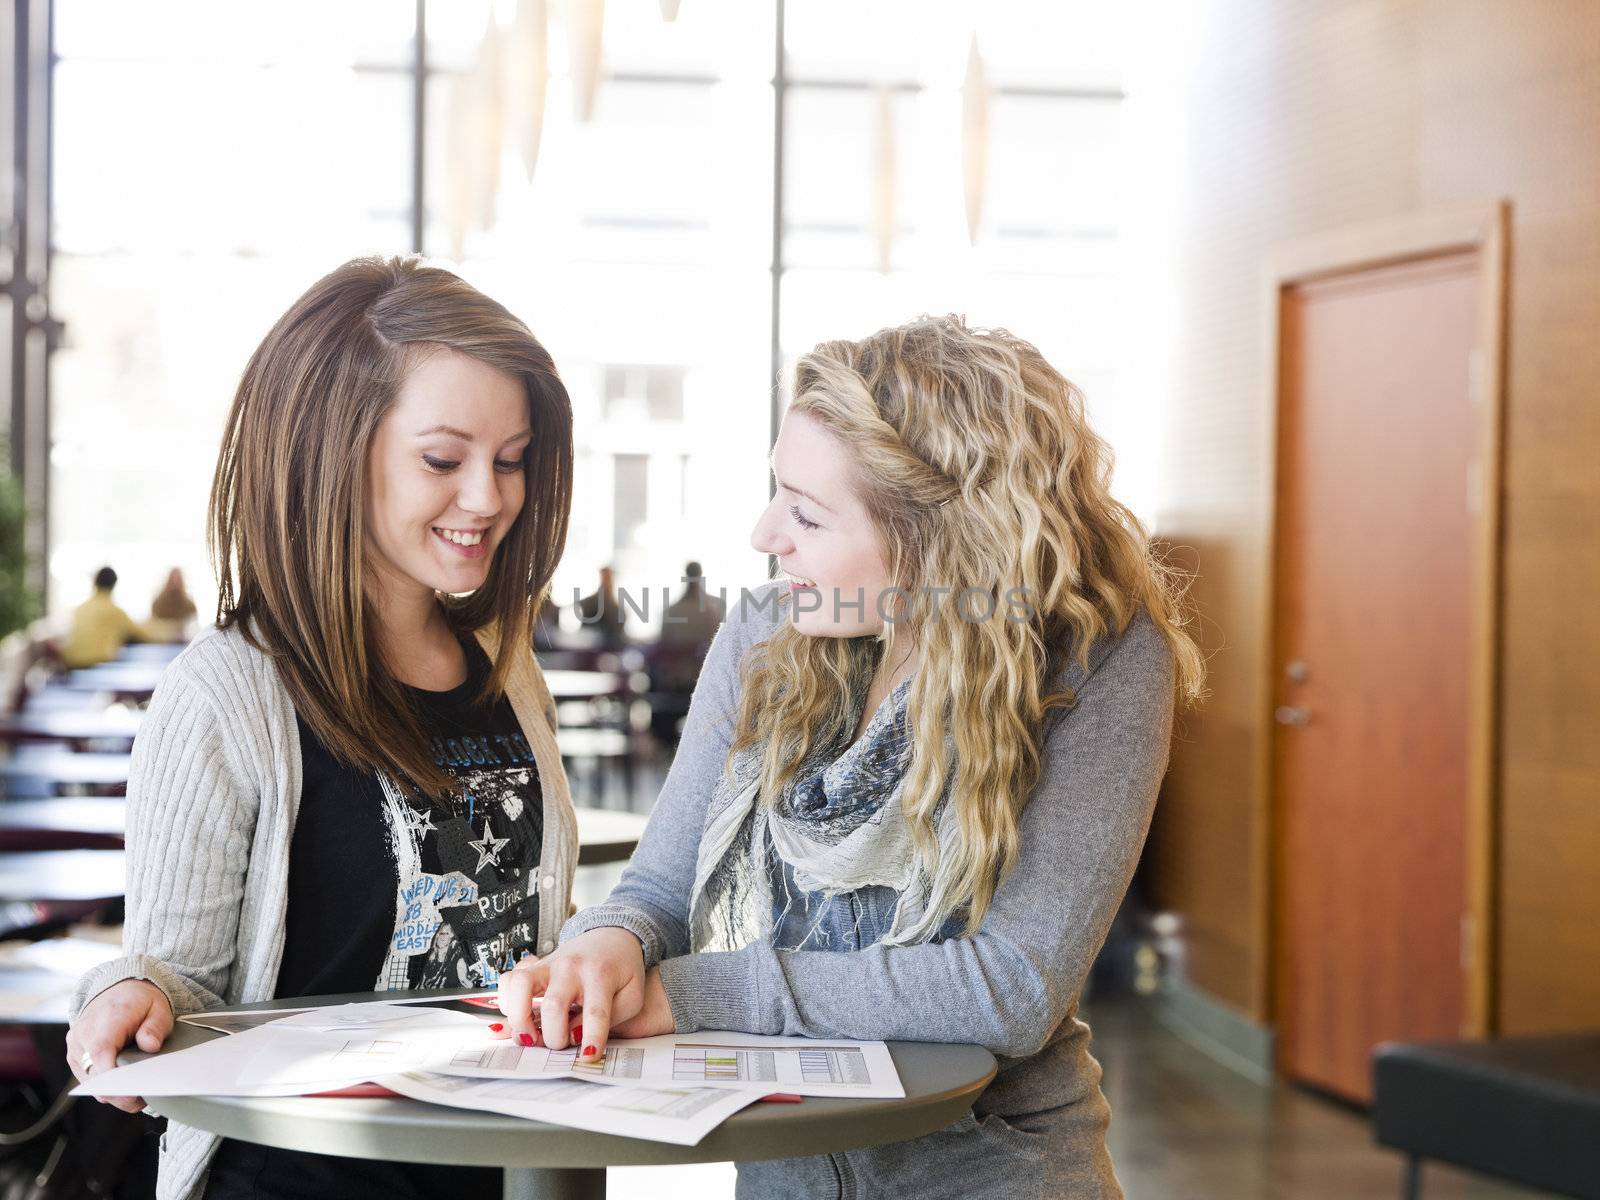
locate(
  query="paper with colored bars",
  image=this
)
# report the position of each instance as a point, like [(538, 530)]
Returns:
[(802, 1066)]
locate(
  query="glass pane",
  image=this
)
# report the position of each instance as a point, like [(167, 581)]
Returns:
[(375, 32), (727, 39), (288, 160), (847, 154), (1054, 167), (630, 491), (1062, 45), (663, 172), (154, 349), (1065, 44), (870, 41)]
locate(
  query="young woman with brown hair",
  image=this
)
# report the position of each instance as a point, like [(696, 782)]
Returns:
[(353, 782), (915, 779)]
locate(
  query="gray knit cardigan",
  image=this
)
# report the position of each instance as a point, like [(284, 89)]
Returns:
[(212, 793)]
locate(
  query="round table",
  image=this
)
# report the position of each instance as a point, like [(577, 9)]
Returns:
[(69, 725), (99, 816), (45, 771), (62, 875), (557, 1163), (585, 685), (606, 836)]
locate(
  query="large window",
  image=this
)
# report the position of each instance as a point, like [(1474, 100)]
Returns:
[(212, 160)]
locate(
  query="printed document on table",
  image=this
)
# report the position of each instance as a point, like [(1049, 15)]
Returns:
[(211, 1069), (332, 1046), (238, 1020), (313, 1050), (680, 1115), (804, 1066)]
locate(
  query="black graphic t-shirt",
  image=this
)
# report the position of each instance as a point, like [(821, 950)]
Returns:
[(387, 891)]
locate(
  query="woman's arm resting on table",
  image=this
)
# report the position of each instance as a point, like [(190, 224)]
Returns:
[(651, 901), (1010, 986), (596, 968)]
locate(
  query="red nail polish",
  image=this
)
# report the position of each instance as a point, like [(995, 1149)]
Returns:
[(496, 1027), (525, 1038), (577, 1033), (588, 1051)]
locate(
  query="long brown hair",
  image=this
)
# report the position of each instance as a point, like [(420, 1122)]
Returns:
[(286, 520), (979, 469)]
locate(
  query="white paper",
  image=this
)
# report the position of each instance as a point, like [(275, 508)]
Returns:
[(803, 1066), (680, 1115), (314, 1050), (210, 1069), (236, 1020), (332, 1047)]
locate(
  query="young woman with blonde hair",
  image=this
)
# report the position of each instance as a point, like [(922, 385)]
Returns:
[(914, 780), (352, 784)]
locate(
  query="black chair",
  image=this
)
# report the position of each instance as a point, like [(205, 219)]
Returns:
[(1525, 1109)]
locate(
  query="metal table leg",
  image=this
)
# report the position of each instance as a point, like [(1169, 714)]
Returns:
[(549, 1183)]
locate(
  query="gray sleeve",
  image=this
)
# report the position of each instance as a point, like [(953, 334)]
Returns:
[(651, 901), (1010, 986), (190, 823)]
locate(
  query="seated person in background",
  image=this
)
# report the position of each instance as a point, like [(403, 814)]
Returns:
[(692, 619), (601, 610), (687, 627), (99, 627), (547, 626), (172, 612)]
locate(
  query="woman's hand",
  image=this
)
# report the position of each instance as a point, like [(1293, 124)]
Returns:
[(656, 1015), (602, 971), (130, 1011)]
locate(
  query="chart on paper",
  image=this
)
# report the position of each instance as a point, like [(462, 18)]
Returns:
[(618, 1062), (715, 1058), (712, 1062)]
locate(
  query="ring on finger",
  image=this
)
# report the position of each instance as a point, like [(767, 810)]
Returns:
[(86, 1061)]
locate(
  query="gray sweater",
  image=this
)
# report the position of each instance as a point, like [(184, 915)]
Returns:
[(212, 793), (1013, 987)]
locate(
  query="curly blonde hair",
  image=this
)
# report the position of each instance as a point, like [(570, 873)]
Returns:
[(974, 459)]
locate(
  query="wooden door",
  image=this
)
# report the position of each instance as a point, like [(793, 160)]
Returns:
[(1372, 634)]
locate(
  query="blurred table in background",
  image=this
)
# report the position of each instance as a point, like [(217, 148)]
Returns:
[(50, 770), (606, 837), (102, 818), (83, 728)]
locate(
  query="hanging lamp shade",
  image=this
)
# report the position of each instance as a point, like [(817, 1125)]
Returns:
[(974, 137), (528, 77), (669, 10), (883, 181), (476, 128), (586, 20)]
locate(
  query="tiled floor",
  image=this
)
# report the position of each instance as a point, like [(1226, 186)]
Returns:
[(1187, 1128), (1184, 1126)]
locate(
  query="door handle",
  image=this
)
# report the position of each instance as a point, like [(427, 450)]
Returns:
[(1292, 714)]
